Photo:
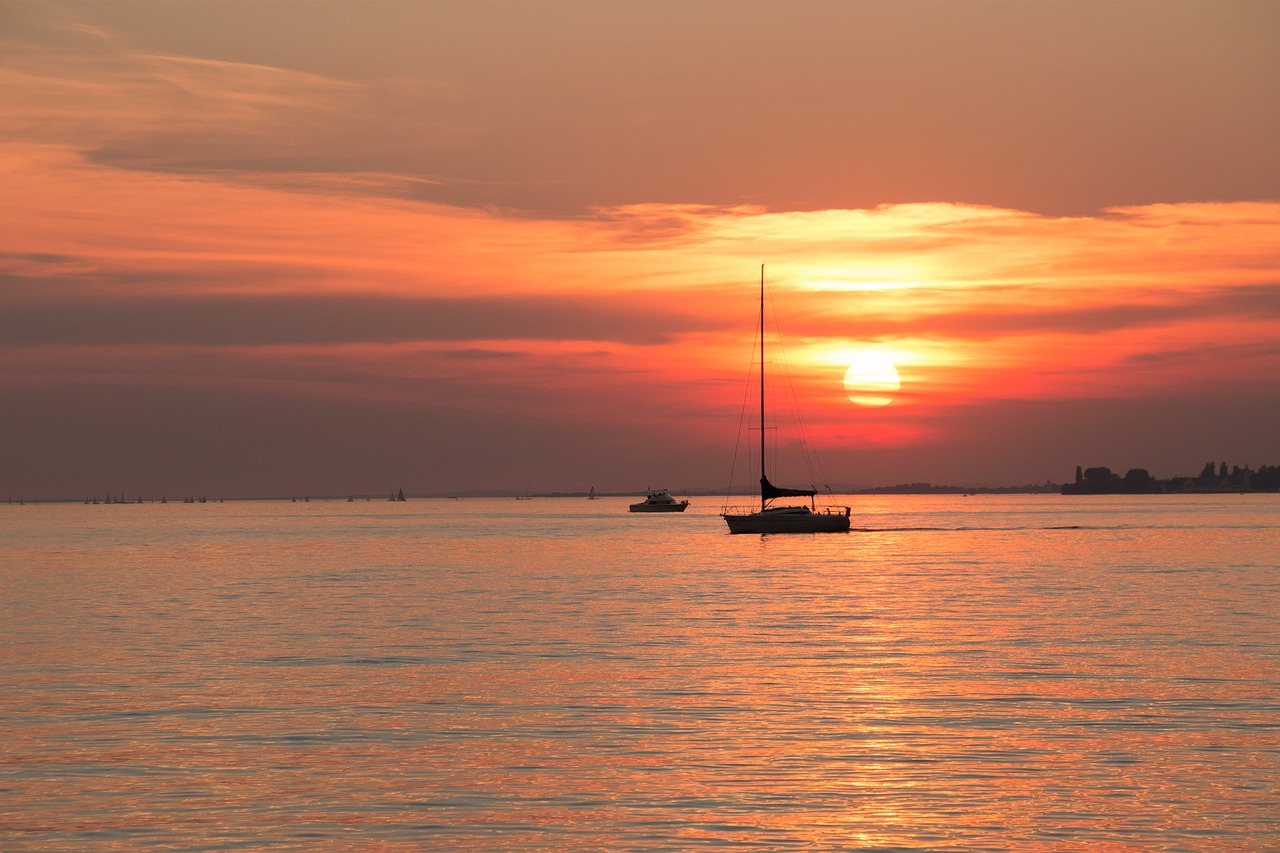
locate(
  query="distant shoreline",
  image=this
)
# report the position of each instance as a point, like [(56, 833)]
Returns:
[(1212, 479), (1161, 488)]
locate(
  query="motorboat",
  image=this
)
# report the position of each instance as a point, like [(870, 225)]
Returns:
[(660, 501)]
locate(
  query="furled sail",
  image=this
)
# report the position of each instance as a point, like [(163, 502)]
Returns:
[(769, 491)]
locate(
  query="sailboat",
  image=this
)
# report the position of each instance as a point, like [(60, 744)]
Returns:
[(771, 518)]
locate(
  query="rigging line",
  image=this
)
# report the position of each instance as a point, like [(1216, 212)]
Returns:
[(808, 447), (806, 451), (742, 415)]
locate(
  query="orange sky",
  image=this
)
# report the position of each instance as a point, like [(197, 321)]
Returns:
[(515, 246)]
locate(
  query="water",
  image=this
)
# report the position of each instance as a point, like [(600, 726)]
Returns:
[(1024, 673)]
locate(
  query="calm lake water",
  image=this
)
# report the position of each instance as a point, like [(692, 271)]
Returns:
[(1024, 673)]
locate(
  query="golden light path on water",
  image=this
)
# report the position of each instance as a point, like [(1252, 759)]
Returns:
[(1032, 673)]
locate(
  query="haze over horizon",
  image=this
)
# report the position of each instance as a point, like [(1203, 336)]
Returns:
[(257, 249)]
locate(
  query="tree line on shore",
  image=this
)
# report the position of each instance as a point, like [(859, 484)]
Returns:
[(1138, 481)]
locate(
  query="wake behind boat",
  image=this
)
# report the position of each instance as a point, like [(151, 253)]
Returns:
[(660, 501), (782, 519)]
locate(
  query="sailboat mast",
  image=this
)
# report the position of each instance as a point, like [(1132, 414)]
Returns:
[(762, 472)]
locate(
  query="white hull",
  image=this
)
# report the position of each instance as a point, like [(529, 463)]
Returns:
[(660, 501), (680, 507)]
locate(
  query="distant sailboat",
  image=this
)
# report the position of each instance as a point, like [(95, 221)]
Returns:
[(782, 519), (592, 494)]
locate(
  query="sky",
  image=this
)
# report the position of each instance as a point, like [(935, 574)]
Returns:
[(262, 249)]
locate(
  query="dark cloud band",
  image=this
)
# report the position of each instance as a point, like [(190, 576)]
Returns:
[(330, 319)]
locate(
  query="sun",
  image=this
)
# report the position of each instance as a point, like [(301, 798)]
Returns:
[(872, 378)]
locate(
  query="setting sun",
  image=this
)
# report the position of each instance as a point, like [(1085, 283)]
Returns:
[(872, 378)]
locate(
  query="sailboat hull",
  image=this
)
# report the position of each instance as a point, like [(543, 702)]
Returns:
[(788, 520)]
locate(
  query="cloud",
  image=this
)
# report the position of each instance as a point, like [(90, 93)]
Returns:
[(559, 108), (478, 214), (994, 317), (479, 355), (334, 319)]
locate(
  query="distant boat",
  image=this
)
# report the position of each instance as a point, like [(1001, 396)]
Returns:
[(782, 519), (660, 501), (592, 494)]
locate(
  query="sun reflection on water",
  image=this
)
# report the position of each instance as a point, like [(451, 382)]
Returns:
[(957, 676)]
